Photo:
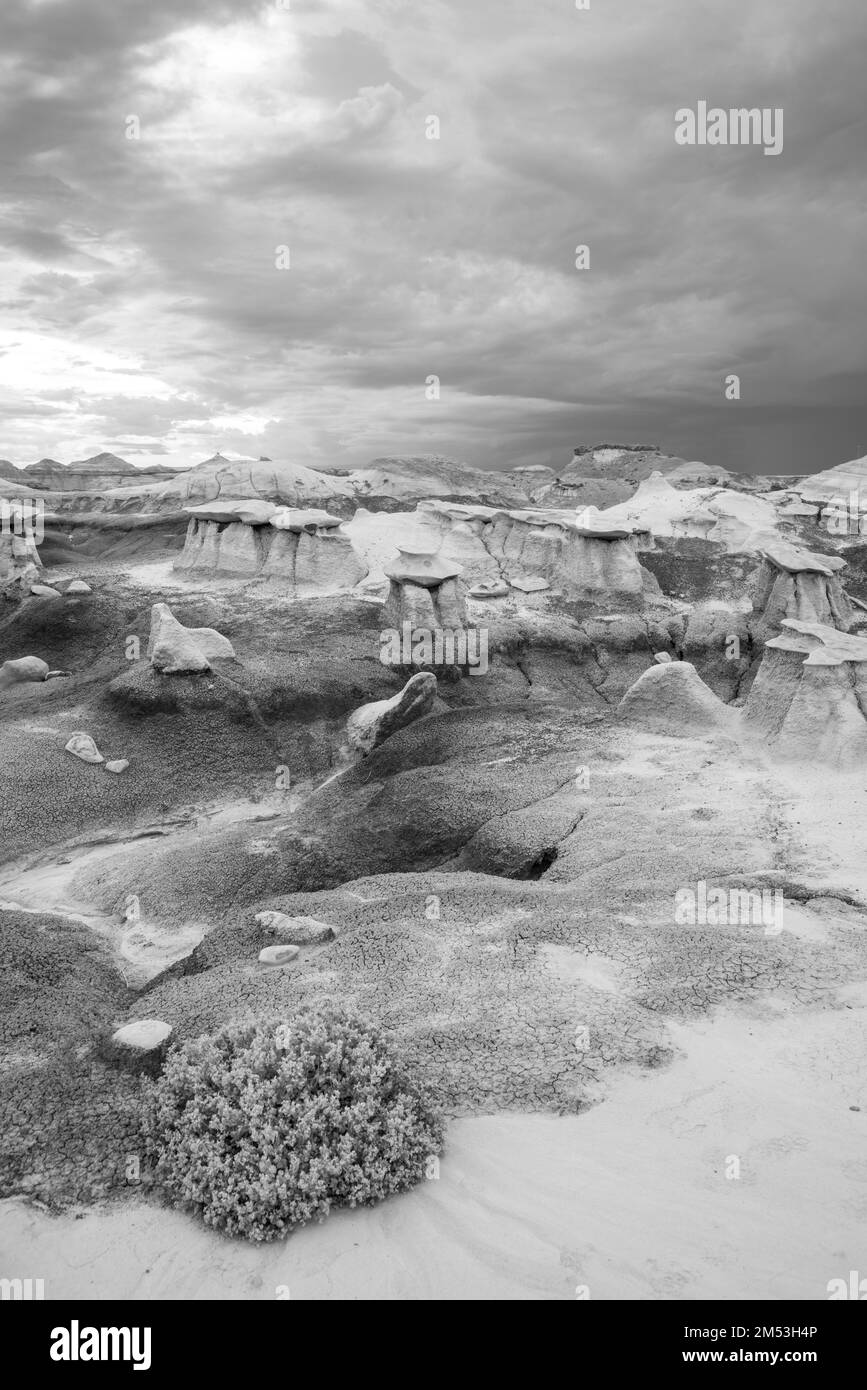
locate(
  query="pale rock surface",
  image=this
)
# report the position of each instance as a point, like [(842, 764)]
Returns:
[(44, 591), (672, 698), (254, 511), (278, 955), (809, 697), (173, 648), (143, 1035), (78, 586), (117, 765), (298, 931), (370, 725), (83, 747), (21, 670)]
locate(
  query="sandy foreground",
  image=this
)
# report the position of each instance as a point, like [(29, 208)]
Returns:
[(629, 1200)]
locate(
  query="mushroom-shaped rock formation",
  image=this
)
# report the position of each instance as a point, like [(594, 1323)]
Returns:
[(672, 698), (793, 583), (173, 648), (809, 697), (370, 725), (424, 592), (22, 670), (303, 552)]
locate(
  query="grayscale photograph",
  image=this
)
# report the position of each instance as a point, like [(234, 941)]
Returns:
[(433, 663)]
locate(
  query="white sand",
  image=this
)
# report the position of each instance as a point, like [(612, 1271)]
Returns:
[(630, 1199)]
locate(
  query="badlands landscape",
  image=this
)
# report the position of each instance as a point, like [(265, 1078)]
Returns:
[(556, 777)]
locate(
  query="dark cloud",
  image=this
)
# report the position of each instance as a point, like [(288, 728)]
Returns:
[(409, 256)]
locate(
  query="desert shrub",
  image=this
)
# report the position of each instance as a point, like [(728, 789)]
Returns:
[(259, 1129)]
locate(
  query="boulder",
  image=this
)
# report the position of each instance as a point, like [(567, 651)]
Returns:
[(78, 586), (44, 591), (139, 1046), (82, 746), (173, 648), (372, 724), (117, 765), (21, 670)]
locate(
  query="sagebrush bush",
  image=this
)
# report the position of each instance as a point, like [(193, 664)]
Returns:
[(260, 1129)]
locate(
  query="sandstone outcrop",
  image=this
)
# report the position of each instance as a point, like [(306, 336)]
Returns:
[(372, 724), (672, 698), (173, 648), (579, 557)]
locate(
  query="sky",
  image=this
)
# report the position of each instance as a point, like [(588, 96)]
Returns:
[(225, 226)]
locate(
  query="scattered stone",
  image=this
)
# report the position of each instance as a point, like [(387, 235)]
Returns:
[(23, 669), (298, 931), (83, 747), (529, 583), (140, 1045), (278, 955), (78, 586), (494, 590), (117, 765), (44, 591), (372, 724)]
